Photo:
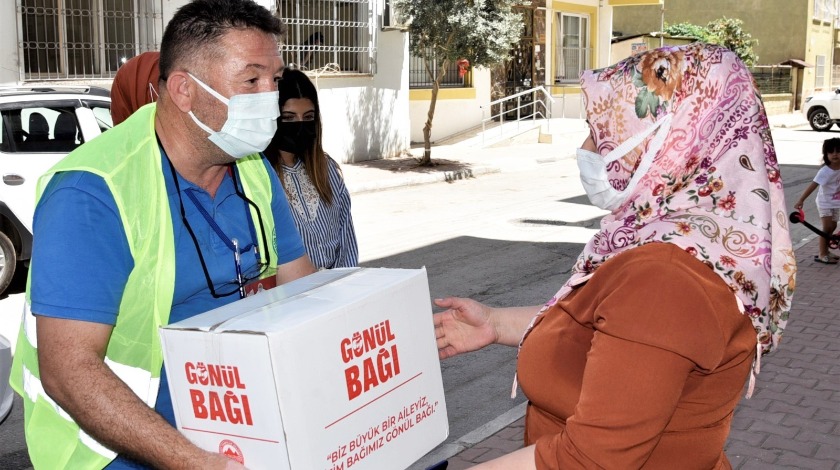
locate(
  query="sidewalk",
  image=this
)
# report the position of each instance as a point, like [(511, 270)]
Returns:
[(461, 160), (793, 418)]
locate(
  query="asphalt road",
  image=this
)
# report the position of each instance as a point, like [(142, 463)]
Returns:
[(505, 239)]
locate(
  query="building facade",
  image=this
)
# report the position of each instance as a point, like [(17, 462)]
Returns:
[(809, 41), (358, 63), (560, 40), (374, 96)]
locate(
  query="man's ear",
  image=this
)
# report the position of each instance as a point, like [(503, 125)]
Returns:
[(181, 90)]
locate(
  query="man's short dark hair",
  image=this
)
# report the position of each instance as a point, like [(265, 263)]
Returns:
[(197, 26)]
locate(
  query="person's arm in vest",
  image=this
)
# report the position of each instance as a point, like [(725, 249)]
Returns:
[(74, 374)]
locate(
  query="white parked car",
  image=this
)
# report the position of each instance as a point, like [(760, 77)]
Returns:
[(822, 109), (40, 125)]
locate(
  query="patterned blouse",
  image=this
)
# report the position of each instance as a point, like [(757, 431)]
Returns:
[(326, 229)]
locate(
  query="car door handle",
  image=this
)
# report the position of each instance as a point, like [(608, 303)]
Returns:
[(13, 180)]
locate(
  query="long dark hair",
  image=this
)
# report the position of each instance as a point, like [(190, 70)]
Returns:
[(296, 85)]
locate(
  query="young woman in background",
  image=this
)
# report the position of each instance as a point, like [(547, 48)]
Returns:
[(313, 182)]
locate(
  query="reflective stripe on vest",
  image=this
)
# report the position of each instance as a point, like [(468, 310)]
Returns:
[(134, 353)]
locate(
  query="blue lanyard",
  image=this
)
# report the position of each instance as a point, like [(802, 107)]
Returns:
[(221, 234)]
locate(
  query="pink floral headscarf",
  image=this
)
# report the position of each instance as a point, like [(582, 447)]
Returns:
[(714, 187)]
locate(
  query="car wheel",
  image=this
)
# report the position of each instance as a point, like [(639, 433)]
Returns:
[(8, 261), (820, 120)]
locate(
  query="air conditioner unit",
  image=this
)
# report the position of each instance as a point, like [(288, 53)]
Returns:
[(392, 19)]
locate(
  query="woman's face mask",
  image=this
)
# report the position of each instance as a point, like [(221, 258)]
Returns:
[(295, 137), (251, 121), (593, 167)]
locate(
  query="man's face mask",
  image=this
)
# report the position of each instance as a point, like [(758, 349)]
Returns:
[(251, 121), (295, 137), (593, 167)]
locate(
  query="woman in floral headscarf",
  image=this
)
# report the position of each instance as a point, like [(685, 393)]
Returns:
[(641, 357)]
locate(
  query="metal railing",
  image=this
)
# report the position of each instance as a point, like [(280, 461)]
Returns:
[(326, 34), (525, 105), (83, 39)]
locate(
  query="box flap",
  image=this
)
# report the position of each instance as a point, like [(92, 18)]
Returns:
[(259, 313)]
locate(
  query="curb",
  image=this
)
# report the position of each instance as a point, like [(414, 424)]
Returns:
[(418, 179)]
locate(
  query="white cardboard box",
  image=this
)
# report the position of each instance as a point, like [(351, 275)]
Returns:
[(336, 370)]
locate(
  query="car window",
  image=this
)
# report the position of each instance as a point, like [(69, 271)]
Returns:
[(102, 112), (41, 129)]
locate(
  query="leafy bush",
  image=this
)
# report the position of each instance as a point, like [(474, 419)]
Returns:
[(727, 32)]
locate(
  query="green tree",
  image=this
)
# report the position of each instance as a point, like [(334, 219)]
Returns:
[(727, 32), (444, 31)]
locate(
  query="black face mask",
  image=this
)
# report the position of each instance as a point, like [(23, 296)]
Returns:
[(295, 137)]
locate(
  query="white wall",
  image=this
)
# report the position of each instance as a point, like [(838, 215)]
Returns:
[(605, 22), (366, 118), (9, 65), (452, 115)]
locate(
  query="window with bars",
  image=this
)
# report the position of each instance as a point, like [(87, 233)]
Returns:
[(571, 47), (72, 39), (418, 78), (329, 35)]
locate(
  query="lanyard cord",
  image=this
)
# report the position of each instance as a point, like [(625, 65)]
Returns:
[(222, 236), (229, 243), (190, 230), (259, 216)]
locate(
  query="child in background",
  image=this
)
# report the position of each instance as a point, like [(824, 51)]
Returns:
[(828, 197)]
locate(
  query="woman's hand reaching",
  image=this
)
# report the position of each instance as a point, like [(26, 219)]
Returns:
[(465, 326)]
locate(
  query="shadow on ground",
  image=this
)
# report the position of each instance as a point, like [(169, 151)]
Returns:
[(412, 165)]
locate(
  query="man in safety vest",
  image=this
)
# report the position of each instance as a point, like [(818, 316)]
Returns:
[(170, 214)]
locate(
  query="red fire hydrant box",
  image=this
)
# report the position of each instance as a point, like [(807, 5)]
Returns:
[(336, 370)]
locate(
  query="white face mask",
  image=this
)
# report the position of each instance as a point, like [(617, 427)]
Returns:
[(593, 167), (251, 121)]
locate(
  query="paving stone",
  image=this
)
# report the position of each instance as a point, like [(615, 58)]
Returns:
[(829, 440), (772, 429), (801, 391), (828, 452), (799, 462), (805, 412), (490, 455), (473, 453), (816, 424), (805, 449)]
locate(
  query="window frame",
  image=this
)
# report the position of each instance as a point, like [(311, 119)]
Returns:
[(101, 43), (417, 69), (585, 51), (348, 44), (819, 72)]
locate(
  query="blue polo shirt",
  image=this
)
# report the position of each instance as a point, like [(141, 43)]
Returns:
[(81, 258)]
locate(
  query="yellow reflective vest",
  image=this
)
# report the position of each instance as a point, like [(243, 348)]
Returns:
[(127, 157)]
